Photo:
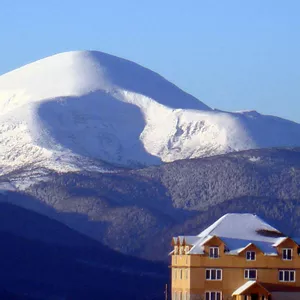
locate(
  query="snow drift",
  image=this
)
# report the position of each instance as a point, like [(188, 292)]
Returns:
[(76, 110)]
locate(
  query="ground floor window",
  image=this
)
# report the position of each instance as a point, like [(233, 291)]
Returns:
[(287, 276), (177, 295), (213, 296)]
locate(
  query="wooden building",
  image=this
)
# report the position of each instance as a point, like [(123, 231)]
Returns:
[(238, 257)]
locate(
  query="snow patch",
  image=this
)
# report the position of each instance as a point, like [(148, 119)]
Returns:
[(80, 110), (254, 159), (6, 187)]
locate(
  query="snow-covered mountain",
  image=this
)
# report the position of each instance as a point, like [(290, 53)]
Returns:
[(76, 110)]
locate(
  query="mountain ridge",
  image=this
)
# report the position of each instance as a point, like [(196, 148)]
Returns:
[(182, 197), (87, 110)]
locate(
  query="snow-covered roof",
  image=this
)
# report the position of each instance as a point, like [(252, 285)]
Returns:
[(188, 239), (198, 247), (238, 231), (244, 287), (279, 241), (239, 226)]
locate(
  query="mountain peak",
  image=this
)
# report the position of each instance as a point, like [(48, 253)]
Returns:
[(83, 109), (77, 73)]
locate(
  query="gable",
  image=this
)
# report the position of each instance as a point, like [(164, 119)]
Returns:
[(250, 247), (214, 241), (286, 243)]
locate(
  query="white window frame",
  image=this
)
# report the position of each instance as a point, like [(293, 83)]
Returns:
[(179, 295), (210, 272), (218, 252), (175, 274), (250, 256), (286, 250), (209, 294), (247, 271), (186, 273), (289, 271), (175, 259)]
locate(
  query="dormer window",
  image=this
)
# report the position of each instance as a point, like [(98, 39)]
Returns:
[(287, 254), (214, 252), (250, 255)]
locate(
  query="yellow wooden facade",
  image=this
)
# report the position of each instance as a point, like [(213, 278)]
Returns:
[(188, 271)]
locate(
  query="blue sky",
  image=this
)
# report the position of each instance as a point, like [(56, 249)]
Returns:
[(231, 54)]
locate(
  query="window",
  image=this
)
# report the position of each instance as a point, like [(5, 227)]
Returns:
[(287, 276), (213, 252), (287, 254), (181, 250), (213, 296), (175, 259), (250, 274), (186, 249), (175, 295), (181, 271), (176, 250), (174, 274), (213, 274), (186, 273), (250, 255)]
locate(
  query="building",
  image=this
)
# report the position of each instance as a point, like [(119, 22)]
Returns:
[(238, 257)]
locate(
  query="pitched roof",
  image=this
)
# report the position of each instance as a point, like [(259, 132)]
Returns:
[(244, 287), (239, 226), (238, 231), (274, 287), (269, 287)]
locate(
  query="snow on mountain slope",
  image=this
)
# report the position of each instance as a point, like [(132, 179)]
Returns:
[(74, 110)]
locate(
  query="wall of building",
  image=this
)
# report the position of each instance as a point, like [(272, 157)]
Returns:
[(233, 267)]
